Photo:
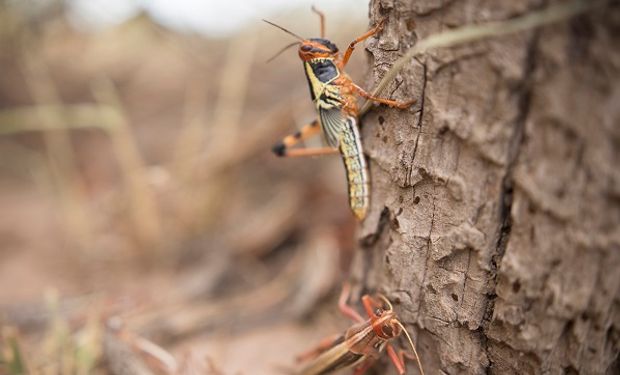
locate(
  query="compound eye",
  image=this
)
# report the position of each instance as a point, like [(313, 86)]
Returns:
[(387, 330), (378, 311), (306, 48)]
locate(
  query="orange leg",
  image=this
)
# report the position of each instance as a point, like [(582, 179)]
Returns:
[(283, 148), (300, 152), (397, 360), (369, 306), (363, 368), (322, 346), (368, 34), (322, 16), (401, 356), (389, 102), (346, 309)]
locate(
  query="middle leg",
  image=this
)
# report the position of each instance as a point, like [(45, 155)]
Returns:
[(388, 102)]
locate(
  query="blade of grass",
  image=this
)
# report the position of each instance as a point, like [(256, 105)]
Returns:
[(143, 206), (60, 149), (12, 358), (206, 185), (76, 116), (551, 14)]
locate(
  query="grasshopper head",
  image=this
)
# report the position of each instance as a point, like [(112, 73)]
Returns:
[(309, 49), (316, 48), (384, 321)]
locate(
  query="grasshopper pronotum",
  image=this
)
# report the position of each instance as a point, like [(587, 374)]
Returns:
[(334, 94)]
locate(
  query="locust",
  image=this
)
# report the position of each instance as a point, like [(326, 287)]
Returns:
[(363, 343), (335, 96)]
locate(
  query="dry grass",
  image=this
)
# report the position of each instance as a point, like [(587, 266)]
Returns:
[(137, 182)]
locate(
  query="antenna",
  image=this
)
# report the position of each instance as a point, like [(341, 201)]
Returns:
[(283, 29), (282, 50), (417, 358)]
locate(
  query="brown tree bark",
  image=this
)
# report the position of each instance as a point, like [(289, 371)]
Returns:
[(495, 203)]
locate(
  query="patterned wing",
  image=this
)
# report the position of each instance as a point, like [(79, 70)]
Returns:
[(333, 123)]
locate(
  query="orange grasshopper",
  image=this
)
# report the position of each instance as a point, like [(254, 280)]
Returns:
[(334, 94), (361, 345)]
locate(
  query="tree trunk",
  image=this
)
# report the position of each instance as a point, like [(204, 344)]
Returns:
[(495, 202)]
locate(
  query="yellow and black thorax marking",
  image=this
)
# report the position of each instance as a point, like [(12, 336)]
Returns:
[(321, 74)]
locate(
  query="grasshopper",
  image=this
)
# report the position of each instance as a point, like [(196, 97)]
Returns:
[(335, 97), (360, 345)]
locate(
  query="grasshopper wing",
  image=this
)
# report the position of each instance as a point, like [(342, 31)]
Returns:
[(333, 123)]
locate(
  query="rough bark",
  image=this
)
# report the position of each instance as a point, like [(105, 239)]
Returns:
[(495, 203)]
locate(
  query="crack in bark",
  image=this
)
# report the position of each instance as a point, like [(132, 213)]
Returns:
[(371, 239), (368, 242), (398, 84), (465, 276), (428, 257), (419, 126), (524, 91)]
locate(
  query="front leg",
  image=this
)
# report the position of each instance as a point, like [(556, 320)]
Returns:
[(398, 359), (345, 308), (368, 34)]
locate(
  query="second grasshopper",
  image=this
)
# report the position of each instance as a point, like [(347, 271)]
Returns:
[(363, 343)]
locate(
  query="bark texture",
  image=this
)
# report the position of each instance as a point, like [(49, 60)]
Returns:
[(495, 203)]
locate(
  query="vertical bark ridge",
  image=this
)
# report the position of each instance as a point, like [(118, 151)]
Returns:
[(524, 92), (492, 203)]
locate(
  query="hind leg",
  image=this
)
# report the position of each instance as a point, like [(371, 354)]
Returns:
[(283, 148)]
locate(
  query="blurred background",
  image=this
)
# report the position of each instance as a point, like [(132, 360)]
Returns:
[(145, 224)]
